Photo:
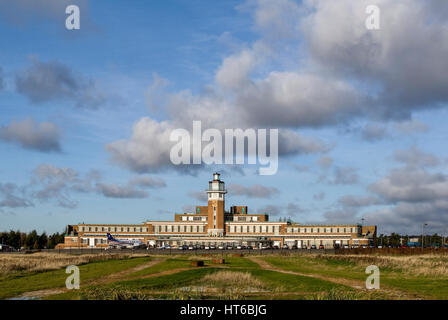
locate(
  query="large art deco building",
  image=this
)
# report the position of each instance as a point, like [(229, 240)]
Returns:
[(214, 225)]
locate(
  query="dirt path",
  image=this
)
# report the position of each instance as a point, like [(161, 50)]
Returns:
[(356, 284), (106, 279)]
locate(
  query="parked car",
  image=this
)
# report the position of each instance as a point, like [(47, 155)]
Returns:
[(304, 247), (285, 246), (212, 248), (239, 247), (229, 248), (275, 247), (220, 247), (346, 246), (250, 248), (321, 246), (313, 247), (206, 248), (294, 247), (190, 248)]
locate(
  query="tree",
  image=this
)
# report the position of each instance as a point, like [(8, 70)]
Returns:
[(31, 239), (42, 240)]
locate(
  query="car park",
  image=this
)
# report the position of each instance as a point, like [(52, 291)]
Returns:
[(313, 247), (321, 247), (220, 247)]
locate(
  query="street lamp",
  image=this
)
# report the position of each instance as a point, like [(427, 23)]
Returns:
[(423, 227)]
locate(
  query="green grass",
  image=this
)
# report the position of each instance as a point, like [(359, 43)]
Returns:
[(170, 264), (240, 262), (179, 283), (419, 286), (14, 285), (187, 284), (168, 281)]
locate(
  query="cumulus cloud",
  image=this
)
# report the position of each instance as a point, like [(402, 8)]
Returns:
[(147, 182), (415, 157), (254, 191), (411, 185), (12, 196), (345, 175), (374, 132), (409, 195), (120, 191), (148, 149), (325, 162), (272, 210), (411, 126), (328, 71), (29, 134), (235, 70), (338, 40), (52, 184), (359, 201), (49, 81)]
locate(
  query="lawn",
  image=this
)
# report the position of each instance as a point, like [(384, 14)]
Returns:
[(264, 277), (17, 283), (423, 277)]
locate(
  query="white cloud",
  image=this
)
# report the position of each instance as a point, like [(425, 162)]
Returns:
[(29, 134)]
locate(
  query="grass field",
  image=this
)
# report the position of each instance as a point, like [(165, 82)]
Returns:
[(138, 277)]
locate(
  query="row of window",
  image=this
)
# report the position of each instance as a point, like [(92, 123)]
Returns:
[(112, 229), (97, 240), (322, 230), (193, 218), (254, 229), (245, 218), (179, 228)]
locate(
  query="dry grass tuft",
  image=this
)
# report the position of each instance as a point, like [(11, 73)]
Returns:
[(42, 261), (425, 265), (232, 279)]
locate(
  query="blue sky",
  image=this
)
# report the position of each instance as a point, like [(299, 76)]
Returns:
[(361, 114)]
